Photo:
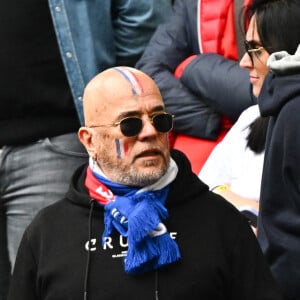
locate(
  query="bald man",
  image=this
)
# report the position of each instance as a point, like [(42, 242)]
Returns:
[(130, 97), (136, 223)]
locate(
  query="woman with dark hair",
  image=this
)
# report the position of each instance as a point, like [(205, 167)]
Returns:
[(234, 168), (272, 39)]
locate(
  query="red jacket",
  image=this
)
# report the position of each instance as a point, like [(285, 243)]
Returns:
[(217, 34), (198, 45)]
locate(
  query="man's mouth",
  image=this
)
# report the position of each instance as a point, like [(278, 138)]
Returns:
[(149, 153)]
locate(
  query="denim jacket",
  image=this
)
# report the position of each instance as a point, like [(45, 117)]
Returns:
[(97, 34)]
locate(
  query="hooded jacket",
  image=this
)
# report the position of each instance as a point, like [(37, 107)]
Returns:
[(220, 256), (206, 29), (279, 220)]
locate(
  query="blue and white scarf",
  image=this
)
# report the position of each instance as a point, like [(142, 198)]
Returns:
[(136, 214)]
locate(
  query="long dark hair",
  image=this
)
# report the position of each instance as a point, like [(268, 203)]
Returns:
[(278, 27), (256, 138), (278, 23)]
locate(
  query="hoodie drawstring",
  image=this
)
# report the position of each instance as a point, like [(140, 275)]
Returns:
[(87, 268), (156, 286)]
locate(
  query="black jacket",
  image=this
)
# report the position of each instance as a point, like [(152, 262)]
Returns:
[(279, 222), (221, 258), (211, 84)]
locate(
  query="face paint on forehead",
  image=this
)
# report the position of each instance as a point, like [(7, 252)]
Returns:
[(121, 148), (136, 86)]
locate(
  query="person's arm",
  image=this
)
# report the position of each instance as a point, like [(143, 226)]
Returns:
[(172, 43), (134, 22), (216, 172), (237, 200), (218, 167), (248, 207), (222, 166), (280, 199), (222, 82)]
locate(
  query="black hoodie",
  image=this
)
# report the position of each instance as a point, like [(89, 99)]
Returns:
[(220, 256), (279, 220)]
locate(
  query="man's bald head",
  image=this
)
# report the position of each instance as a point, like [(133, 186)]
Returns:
[(117, 102), (112, 85)]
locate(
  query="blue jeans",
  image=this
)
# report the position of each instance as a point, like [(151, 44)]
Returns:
[(31, 177)]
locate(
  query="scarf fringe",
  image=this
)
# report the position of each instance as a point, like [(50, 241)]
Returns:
[(168, 249), (154, 254), (145, 217)]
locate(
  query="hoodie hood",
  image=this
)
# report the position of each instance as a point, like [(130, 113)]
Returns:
[(78, 193), (281, 84), (283, 63)]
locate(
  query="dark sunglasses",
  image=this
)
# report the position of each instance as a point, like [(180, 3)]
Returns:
[(132, 126), (252, 47)]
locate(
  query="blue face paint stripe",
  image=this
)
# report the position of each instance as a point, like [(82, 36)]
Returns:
[(118, 147), (127, 78)]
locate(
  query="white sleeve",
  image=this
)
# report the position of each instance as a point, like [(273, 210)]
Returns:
[(218, 169)]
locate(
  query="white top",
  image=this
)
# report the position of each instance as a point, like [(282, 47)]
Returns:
[(232, 163)]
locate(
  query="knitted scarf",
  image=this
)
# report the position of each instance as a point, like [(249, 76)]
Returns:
[(136, 214)]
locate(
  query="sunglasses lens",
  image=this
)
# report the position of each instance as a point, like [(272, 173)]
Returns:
[(163, 122), (131, 126), (247, 48)]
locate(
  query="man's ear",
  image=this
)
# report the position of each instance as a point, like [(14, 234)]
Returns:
[(85, 136)]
